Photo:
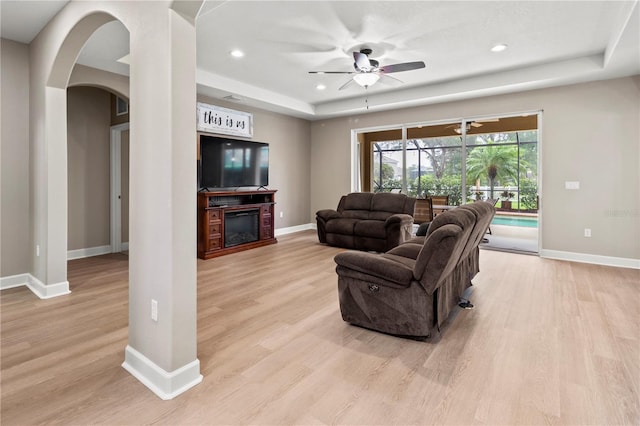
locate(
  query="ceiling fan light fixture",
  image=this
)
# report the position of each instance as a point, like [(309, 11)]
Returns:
[(366, 79)]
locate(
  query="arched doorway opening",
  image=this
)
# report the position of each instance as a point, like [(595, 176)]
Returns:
[(98, 174), (161, 352)]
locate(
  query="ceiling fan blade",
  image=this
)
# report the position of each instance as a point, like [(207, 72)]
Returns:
[(347, 84), (405, 66), (362, 61), (331, 72), (389, 80)]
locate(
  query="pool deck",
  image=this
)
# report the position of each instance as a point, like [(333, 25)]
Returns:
[(513, 238)]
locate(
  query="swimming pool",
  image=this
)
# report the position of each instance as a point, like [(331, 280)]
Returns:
[(523, 221)]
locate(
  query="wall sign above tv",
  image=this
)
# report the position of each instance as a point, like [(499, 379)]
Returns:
[(215, 119)]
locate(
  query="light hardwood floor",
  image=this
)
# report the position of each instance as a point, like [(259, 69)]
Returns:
[(549, 342)]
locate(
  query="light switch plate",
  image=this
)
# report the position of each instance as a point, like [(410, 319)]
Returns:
[(572, 185), (154, 310)]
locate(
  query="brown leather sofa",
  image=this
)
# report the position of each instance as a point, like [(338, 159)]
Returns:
[(411, 289), (367, 221)]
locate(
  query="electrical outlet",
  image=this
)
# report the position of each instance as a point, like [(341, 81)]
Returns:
[(38, 250), (587, 232), (154, 310), (281, 215)]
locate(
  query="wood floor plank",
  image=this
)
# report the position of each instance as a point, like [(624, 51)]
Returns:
[(549, 342)]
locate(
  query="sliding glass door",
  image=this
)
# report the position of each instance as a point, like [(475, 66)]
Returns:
[(499, 157), (502, 168), (492, 159)]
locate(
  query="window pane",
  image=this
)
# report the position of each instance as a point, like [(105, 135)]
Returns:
[(434, 164), (528, 190), (500, 169), (387, 166)]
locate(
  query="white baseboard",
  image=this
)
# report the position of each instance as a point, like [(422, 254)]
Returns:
[(47, 291), (292, 229), (620, 262), (167, 385), (88, 252), (38, 288), (14, 281)]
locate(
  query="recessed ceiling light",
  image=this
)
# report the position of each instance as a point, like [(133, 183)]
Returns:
[(237, 53), (321, 87), (498, 47)]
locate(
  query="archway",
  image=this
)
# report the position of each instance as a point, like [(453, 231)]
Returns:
[(97, 170), (160, 353), (118, 86)]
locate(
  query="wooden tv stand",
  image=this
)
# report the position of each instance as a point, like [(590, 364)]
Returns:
[(233, 221)]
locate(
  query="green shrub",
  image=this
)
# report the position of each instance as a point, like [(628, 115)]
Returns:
[(450, 185), (528, 194)]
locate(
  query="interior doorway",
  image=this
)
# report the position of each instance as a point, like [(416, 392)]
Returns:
[(119, 188)]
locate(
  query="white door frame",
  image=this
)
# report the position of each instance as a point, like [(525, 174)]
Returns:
[(116, 184)]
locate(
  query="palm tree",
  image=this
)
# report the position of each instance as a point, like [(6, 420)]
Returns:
[(495, 162)]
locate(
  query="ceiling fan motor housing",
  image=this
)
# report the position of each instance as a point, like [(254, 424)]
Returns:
[(368, 71)]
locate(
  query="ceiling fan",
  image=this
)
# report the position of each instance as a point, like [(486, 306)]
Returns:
[(368, 71), (478, 123)]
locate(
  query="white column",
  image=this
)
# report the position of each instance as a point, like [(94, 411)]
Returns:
[(162, 244)]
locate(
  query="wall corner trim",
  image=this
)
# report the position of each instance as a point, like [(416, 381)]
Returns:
[(38, 288), (166, 385), (620, 262)]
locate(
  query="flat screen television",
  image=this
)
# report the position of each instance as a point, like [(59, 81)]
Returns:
[(232, 163)]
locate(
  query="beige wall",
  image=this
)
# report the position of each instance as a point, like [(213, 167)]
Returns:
[(586, 128), (14, 157), (88, 122), (289, 141), (87, 76), (590, 134)]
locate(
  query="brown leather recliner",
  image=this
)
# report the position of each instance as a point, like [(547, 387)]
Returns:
[(411, 289)]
